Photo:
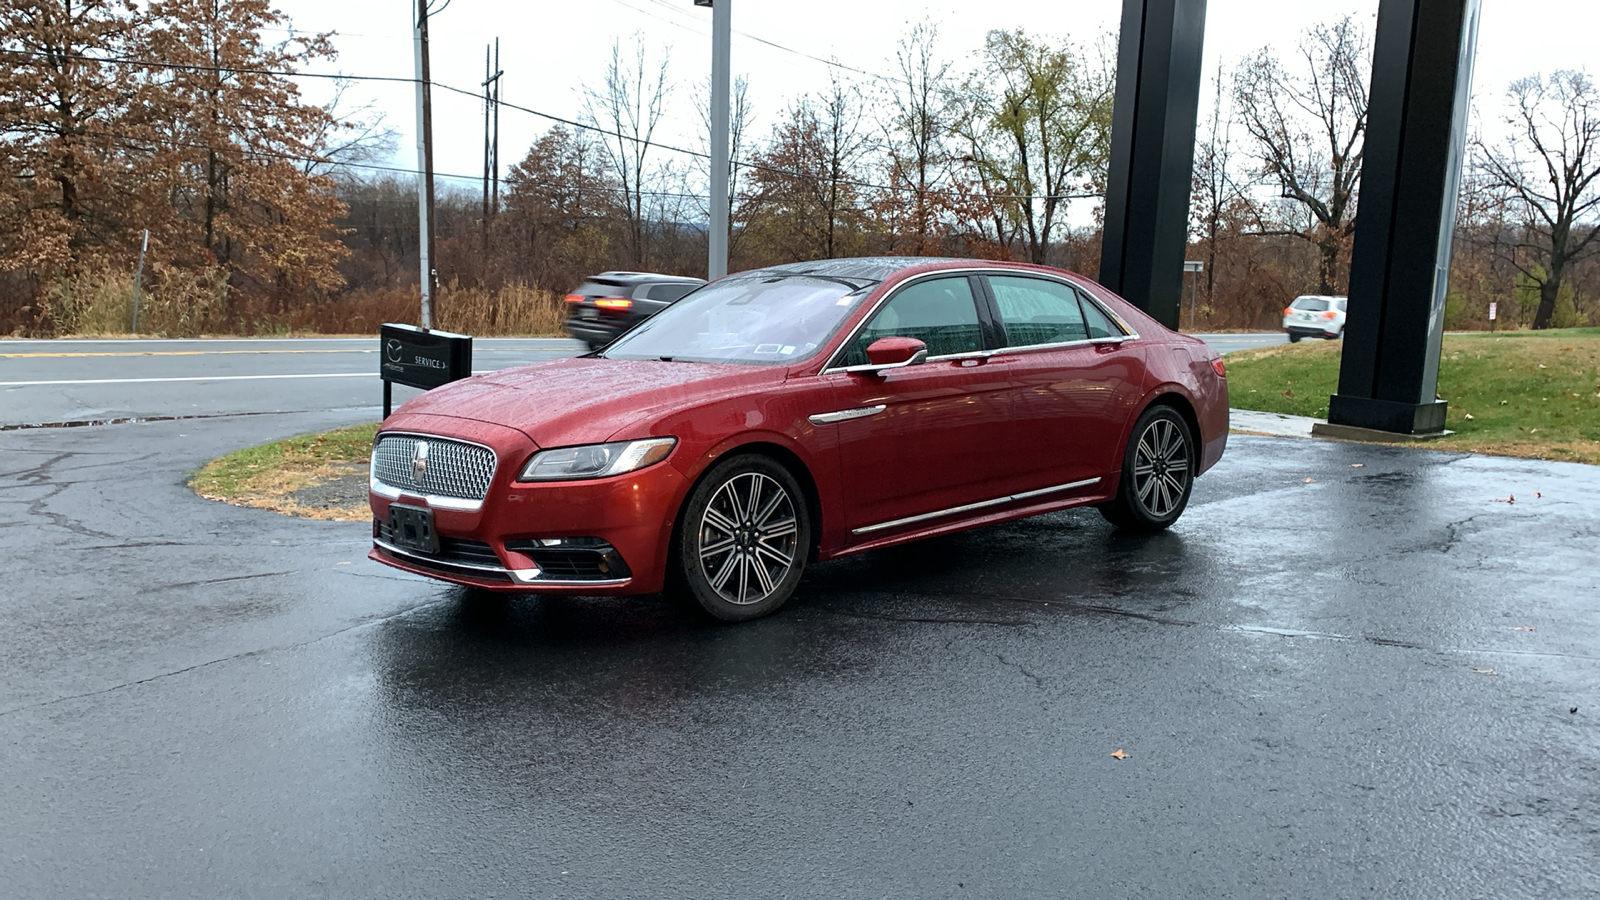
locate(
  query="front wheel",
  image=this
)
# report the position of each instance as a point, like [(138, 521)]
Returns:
[(1157, 473), (743, 539)]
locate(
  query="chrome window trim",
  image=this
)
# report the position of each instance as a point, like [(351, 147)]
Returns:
[(983, 271), (830, 368), (972, 507), (495, 570), (845, 415), (1128, 334), (390, 492)]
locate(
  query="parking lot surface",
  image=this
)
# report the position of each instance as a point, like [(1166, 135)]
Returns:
[(1349, 671)]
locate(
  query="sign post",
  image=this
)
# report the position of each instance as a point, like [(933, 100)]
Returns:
[(1194, 267), (1493, 308), (420, 358)]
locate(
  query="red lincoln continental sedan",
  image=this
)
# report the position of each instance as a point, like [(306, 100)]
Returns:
[(796, 414)]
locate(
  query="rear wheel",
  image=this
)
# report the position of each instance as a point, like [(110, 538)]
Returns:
[(742, 542), (1157, 473), (1294, 338)]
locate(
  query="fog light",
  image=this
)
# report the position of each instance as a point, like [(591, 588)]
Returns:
[(526, 576)]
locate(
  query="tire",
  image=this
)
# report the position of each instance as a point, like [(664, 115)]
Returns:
[(1157, 473), (1294, 338), (743, 539), (1337, 337)]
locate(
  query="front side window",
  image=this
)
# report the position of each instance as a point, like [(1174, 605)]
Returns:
[(1035, 312), (939, 312), (758, 319)]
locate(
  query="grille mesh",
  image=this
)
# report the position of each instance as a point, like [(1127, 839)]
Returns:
[(454, 469)]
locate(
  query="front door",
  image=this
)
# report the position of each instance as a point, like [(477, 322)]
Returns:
[(914, 442)]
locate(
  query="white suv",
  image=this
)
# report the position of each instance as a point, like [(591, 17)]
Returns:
[(1314, 315)]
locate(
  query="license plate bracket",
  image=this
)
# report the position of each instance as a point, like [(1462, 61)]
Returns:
[(411, 528)]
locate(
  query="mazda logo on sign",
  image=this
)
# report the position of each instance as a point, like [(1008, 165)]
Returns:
[(393, 350), (419, 462)]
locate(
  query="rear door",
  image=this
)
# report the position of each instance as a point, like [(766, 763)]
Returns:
[(1074, 384), (916, 442)]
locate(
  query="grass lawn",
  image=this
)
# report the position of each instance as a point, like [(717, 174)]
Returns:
[(1533, 394), (268, 476)]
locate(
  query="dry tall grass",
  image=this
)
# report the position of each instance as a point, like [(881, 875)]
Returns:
[(180, 304)]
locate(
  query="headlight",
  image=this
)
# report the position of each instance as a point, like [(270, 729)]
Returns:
[(595, 460)]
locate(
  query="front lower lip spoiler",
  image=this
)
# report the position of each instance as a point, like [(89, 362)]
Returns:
[(529, 577)]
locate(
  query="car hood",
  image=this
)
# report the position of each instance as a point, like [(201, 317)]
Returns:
[(588, 400)]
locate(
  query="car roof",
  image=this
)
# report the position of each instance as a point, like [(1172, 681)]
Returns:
[(637, 277)]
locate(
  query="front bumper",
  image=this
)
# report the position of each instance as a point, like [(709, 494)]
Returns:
[(622, 526)]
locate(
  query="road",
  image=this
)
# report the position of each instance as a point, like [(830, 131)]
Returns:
[(51, 382), (1349, 671)]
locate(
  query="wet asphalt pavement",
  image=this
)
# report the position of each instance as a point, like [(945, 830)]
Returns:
[(1356, 685)]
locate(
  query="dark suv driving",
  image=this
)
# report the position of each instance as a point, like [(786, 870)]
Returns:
[(610, 303)]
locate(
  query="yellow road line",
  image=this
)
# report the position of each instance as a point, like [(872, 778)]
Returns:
[(173, 353)]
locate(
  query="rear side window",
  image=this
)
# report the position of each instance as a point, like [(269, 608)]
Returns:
[(1098, 323), (1035, 311), (603, 289), (669, 293), (1310, 304), (1342, 305), (940, 313)]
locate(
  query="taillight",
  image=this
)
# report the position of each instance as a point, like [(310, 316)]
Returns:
[(613, 303), (1330, 314), (1219, 367), (574, 298), (1287, 310)]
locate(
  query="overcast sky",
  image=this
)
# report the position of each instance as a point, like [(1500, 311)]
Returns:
[(550, 51)]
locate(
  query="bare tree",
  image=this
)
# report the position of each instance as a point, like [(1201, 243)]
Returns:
[(738, 123), (628, 107), (916, 138), (1554, 185), (1309, 128), (1218, 196)]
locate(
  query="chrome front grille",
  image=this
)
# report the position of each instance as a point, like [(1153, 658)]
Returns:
[(433, 466)]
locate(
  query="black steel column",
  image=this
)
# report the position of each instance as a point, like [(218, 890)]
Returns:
[(1152, 153), (1410, 179)]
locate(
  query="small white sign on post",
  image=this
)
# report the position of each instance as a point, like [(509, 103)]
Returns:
[(1493, 308)]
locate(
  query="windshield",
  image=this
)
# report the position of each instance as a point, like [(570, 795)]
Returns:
[(758, 319)]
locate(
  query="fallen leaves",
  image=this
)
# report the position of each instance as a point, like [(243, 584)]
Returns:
[(1308, 481), (1510, 499), (1118, 754), (1469, 417), (1524, 628), (1487, 672), (1358, 465)]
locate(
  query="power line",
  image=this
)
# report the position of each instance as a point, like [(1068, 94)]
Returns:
[(572, 123), (831, 63)]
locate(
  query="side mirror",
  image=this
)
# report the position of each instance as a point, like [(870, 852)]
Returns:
[(896, 352)]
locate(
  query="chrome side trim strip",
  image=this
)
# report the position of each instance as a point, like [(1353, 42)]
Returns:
[(393, 493), (496, 570), (845, 415), (972, 507)]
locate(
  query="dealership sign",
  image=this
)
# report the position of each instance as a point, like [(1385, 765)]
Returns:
[(422, 359)]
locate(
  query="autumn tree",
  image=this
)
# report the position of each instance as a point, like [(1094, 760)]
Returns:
[(66, 191), (1035, 120), (627, 107), (739, 115), (1308, 125), (808, 181), (1548, 168), (559, 203), (230, 134)]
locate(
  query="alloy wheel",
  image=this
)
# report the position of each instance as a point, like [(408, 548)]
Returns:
[(1161, 470), (748, 538)]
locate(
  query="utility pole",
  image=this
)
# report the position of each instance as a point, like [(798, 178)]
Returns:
[(425, 163), (721, 37), (491, 145)]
